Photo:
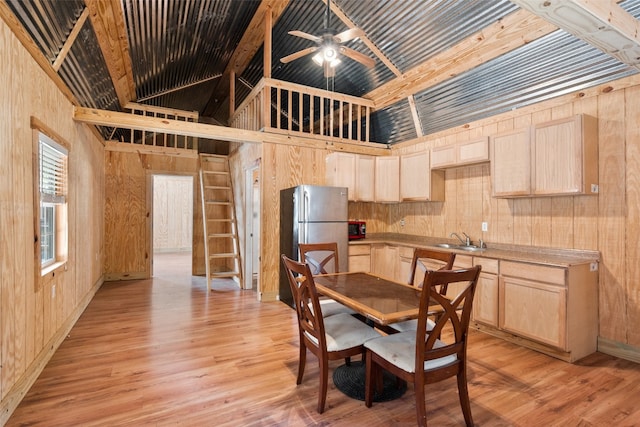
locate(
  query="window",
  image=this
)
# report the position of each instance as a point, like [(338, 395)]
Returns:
[(52, 191)]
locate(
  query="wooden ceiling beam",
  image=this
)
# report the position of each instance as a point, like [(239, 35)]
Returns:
[(72, 38), (511, 32), (107, 19), (250, 43)]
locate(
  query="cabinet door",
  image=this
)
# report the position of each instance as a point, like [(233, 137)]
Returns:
[(387, 180), (364, 179), (534, 310), (384, 261), (485, 301), (443, 157), (511, 164), (471, 152), (340, 172), (558, 157)]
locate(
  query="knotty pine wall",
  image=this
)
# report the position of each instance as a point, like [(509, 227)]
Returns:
[(128, 204), (607, 222), (34, 319)]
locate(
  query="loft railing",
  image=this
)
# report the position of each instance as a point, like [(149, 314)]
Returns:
[(136, 137), (281, 107)]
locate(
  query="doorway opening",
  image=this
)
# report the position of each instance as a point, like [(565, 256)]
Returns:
[(252, 229), (172, 230)]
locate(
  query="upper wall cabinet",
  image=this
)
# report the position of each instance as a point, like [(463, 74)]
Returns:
[(354, 171), (511, 164), (387, 180), (417, 181), (460, 154), (565, 156), (552, 158)]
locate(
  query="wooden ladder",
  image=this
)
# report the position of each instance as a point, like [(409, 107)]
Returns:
[(221, 248)]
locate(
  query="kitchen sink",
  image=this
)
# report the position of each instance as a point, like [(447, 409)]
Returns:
[(470, 248)]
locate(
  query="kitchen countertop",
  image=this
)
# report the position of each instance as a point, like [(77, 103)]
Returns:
[(532, 254)]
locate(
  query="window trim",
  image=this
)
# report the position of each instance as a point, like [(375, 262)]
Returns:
[(42, 272)]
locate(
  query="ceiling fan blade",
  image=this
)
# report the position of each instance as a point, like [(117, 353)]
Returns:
[(306, 36), (357, 56), (350, 34), (298, 54)]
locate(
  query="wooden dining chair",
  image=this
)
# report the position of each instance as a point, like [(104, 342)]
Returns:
[(425, 259), (323, 259), (331, 338), (424, 357)]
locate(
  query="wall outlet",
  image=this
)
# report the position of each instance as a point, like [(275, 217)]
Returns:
[(485, 226), (402, 222)]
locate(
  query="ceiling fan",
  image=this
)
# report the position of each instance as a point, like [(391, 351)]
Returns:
[(329, 46)]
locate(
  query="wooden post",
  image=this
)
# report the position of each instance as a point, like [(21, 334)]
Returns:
[(268, 43), (232, 93)]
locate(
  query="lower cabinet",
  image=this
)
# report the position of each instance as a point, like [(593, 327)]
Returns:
[(554, 306), (384, 261), (485, 304), (360, 258)]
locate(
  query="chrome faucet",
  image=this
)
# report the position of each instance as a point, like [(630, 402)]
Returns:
[(466, 242)]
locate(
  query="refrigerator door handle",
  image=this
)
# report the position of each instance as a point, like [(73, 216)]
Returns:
[(305, 216)]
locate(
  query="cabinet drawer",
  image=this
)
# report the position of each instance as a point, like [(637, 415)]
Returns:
[(463, 261), (539, 273), (359, 250), (489, 265), (406, 252)]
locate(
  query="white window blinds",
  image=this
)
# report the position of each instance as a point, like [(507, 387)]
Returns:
[(53, 171)]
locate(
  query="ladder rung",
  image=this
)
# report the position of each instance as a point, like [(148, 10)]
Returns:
[(217, 202), (216, 187), (215, 172), (219, 220), (225, 274), (224, 255), (221, 235)]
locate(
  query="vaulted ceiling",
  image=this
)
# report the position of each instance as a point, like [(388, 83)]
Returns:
[(438, 63)]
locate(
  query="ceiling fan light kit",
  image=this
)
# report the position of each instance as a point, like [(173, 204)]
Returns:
[(329, 47)]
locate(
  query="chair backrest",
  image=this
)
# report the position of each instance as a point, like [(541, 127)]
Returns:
[(305, 298), (321, 257), (418, 261), (449, 335)]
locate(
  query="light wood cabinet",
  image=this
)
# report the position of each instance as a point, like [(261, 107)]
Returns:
[(387, 179), (385, 261), (564, 156), (460, 154), (511, 164), (354, 171), (548, 159), (417, 181), (360, 258), (554, 306), (485, 304)]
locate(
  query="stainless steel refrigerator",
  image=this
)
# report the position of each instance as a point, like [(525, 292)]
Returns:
[(312, 214)]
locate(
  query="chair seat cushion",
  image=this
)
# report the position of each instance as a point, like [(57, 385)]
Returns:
[(410, 325), (344, 331), (400, 350), (331, 307)]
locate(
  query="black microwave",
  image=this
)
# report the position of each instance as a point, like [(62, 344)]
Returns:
[(357, 230)]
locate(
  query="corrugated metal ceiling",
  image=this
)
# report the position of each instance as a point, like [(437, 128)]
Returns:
[(179, 49)]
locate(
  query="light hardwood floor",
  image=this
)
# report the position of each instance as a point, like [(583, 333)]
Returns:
[(163, 352)]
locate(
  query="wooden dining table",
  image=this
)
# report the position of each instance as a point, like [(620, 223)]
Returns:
[(380, 300)]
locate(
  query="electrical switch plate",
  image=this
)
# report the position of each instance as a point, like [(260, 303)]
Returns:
[(594, 188), (485, 226), (593, 266)]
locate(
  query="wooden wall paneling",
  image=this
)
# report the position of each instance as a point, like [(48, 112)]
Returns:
[(632, 249), (585, 208), (614, 321)]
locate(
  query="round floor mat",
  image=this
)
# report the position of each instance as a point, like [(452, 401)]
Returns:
[(350, 380)]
